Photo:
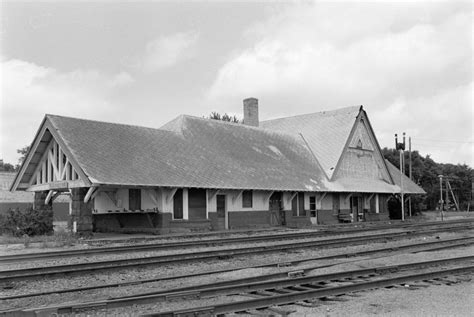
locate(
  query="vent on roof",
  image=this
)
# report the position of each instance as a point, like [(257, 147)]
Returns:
[(251, 112)]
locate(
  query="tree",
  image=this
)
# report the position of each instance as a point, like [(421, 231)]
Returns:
[(225, 117), (6, 167), (425, 173), (23, 151)]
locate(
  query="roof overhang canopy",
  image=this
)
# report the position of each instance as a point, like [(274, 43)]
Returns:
[(49, 165)]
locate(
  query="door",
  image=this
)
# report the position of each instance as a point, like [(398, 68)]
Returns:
[(178, 204), (356, 207), (277, 216), (222, 222), (134, 199)]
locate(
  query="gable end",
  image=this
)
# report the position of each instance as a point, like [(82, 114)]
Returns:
[(49, 164)]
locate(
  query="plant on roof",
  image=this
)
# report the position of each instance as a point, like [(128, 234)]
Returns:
[(225, 117)]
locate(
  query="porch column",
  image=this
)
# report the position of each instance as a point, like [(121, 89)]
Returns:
[(81, 212), (377, 209)]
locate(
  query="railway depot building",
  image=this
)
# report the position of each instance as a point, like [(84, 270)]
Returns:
[(202, 174)]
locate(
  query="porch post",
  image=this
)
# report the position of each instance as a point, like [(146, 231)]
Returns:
[(81, 212)]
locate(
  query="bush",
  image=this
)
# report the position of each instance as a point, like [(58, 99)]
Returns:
[(28, 222)]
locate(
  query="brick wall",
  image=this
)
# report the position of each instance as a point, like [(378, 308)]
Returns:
[(249, 219), (81, 211), (327, 217)]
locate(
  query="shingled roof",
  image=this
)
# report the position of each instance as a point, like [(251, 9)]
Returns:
[(326, 132), (190, 152), (408, 185), (203, 153)]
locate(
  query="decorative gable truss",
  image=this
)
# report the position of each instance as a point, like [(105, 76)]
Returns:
[(49, 165), (54, 167), (362, 157)]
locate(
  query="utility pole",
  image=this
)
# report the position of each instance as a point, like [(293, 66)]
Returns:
[(409, 170), (401, 148), (441, 195)]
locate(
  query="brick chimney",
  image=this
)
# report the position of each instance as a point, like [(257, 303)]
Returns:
[(251, 111)]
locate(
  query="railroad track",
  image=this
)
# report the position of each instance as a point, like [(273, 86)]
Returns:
[(35, 272), (408, 248), (341, 228), (452, 225), (277, 289), (308, 291)]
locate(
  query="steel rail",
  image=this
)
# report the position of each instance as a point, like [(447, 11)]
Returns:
[(188, 244), (425, 247), (333, 228), (240, 286), (296, 296), (19, 274)]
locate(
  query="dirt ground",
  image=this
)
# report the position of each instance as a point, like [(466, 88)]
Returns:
[(440, 300)]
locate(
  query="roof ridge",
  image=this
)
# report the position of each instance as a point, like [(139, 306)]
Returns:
[(313, 113), (106, 122), (259, 128), (217, 121)]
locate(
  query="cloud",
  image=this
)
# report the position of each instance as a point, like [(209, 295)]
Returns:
[(30, 90), (407, 58), (165, 51)]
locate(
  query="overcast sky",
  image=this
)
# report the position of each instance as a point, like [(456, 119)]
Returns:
[(145, 63)]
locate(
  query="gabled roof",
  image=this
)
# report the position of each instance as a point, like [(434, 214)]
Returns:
[(326, 132), (197, 152), (190, 152)]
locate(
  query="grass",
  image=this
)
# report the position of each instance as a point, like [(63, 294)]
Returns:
[(58, 239)]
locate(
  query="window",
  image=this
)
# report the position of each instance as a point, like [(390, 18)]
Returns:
[(178, 204), (134, 199), (247, 199), (312, 205), (197, 203), (297, 205)]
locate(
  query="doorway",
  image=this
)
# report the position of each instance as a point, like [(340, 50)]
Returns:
[(277, 215), (356, 208), (222, 220)]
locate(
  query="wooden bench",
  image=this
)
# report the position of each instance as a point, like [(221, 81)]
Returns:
[(344, 217)]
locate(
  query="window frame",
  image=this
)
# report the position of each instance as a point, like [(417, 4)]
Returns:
[(246, 201), (312, 206)]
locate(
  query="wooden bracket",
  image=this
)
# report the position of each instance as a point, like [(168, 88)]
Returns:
[(370, 197), (320, 200), (234, 199), (89, 194), (112, 196), (171, 194), (348, 197), (48, 197), (153, 196), (212, 193), (293, 196), (266, 198)]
